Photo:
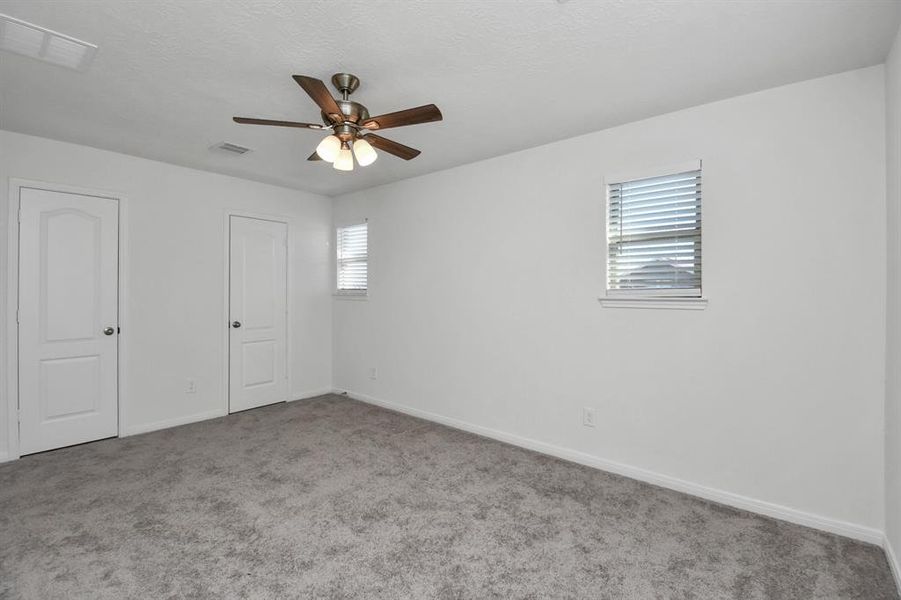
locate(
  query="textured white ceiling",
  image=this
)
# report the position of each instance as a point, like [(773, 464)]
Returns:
[(506, 74)]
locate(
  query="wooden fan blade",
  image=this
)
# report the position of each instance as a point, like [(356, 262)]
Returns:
[(411, 116), (321, 96), (248, 121), (391, 147), (314, 156)]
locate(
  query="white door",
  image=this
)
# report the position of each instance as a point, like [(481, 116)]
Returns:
[(68, 319), (258, 289)]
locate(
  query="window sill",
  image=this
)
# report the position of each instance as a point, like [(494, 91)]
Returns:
[(346, 296), (666, 303)]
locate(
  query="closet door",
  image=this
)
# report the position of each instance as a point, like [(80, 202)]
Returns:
[(258, 289), (68, 319)]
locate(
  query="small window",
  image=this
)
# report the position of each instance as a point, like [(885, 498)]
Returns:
[(353, 259), (654, 236)]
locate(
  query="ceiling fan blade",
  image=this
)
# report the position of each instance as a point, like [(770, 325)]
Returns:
[(248, 121), (314, 156), (321, 96), (411, 116), (391, 147)]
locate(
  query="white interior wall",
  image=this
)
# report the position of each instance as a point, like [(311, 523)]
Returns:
[(893, 304), (175, 274), (483, 305)]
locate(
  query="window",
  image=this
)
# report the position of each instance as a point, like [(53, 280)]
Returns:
[(353, 259), (654, 235)]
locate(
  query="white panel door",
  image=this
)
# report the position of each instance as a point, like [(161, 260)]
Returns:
[(68, 319), (258, 290)]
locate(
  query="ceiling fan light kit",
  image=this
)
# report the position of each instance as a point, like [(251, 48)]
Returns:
[(328, 148), (345, 159), (351, 124), (364, 152)]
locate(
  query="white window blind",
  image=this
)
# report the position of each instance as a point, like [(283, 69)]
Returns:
[(654, 236), (353, 258)]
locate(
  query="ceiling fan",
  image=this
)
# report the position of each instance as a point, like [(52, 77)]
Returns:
[(351, 124)]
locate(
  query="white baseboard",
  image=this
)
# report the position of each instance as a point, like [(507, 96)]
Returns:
[(212, 414), (892, 562), (167, 423), (310, 394), (799, 517)]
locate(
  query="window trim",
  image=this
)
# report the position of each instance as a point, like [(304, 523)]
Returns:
[(670, 302), (654, 298), (350, 294)]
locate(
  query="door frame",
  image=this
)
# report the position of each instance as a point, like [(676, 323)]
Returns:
[(12, 301), (289, 285)]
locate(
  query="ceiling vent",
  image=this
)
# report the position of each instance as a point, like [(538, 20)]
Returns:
[(43, 44), (229, 147)]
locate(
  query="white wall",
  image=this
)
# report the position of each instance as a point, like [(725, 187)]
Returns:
[(893, 300), (483, 305), (175, 265)]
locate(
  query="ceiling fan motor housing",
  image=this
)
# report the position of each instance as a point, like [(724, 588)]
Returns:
[(354, 112)]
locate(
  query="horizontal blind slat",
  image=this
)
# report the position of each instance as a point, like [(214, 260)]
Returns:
[(658, 207), (651, 220), (627, 199)]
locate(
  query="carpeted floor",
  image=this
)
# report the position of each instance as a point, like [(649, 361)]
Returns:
[(331, 498)]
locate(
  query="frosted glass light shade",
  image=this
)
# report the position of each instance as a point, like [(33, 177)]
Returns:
[(328, 148), (364, 152), (345, 160)]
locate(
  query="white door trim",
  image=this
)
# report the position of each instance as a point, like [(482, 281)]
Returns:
[(12, 302), (226, 321)]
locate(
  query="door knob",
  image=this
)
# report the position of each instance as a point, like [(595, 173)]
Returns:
[(109, 331), (236, 324)]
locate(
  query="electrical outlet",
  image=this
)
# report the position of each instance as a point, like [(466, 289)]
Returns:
[(588, 417), (373, 373), (191, 387)]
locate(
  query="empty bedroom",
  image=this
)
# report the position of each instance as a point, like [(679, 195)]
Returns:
[(577, 299)]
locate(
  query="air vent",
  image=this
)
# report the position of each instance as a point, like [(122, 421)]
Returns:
[(43, 44), (229, 147)]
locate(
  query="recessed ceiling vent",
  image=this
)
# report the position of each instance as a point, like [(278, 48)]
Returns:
[(43, 44), (229, 147)]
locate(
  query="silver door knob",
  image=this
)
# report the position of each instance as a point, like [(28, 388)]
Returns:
[(236, 324), (109, 331)]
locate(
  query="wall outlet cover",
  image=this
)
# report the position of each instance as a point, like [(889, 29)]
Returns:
[(588, 417)]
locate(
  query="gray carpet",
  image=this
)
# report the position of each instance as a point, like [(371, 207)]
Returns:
[(331, 498)]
